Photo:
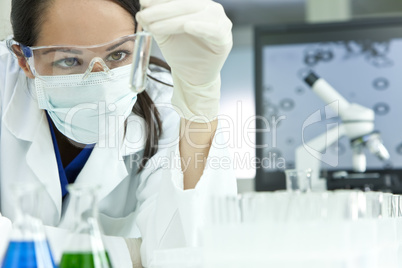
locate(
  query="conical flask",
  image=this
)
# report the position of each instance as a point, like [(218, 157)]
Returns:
[(28, 246), (84, 246)]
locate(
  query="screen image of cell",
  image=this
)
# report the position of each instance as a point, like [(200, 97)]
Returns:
[(364, 72)]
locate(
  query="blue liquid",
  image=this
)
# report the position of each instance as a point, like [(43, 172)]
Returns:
[(28, 254)]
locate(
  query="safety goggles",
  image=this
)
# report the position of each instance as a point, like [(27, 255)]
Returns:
[(65, 60)]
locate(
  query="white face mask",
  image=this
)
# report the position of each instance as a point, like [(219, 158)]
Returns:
[(87, 111)]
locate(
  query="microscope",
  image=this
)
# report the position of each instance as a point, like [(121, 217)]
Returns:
[(357, 123)]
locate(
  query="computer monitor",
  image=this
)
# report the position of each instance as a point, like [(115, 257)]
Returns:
[(361, 59)]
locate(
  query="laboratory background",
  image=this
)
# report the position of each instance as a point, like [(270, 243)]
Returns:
[(266, 79), (283, 97), (299, 69)]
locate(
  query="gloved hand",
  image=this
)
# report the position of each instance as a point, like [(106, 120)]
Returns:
[(195, 38)]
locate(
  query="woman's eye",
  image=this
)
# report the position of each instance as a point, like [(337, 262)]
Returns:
[(117, 56), (68, 62)]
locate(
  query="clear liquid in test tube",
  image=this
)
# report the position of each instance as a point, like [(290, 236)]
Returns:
[(141, 55)]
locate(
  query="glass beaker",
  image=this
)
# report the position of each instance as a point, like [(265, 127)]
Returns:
[(28, 246), (348, 205), (374, 203), (84, 247), (298, 180)]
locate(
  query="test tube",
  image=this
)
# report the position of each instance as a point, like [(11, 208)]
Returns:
[(142, 52)]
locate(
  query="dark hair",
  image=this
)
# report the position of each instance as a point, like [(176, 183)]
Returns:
[(27, 18)]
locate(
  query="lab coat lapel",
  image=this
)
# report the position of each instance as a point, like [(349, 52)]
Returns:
[(42, 160), (27, 122), (105, 168), (135, 136)]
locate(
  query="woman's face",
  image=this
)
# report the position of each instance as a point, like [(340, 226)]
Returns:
[(72, 23), (84, 22)]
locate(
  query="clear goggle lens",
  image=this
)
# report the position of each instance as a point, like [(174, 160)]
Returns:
[(66, 60)]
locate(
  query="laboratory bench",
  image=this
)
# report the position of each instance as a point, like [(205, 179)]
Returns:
[(337, 228)]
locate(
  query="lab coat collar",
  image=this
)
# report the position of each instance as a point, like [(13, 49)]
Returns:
[(106, 166), (22, 114), (135, 136), (103, 168)]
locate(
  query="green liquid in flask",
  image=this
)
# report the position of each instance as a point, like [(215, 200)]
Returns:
[(84, 260)]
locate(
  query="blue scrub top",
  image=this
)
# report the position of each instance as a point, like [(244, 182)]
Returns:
[(69, 173)]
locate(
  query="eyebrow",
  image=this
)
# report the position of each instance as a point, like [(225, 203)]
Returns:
[(69, 50), (118, 44)]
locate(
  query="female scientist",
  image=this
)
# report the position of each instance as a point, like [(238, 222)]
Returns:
[(68, 115)]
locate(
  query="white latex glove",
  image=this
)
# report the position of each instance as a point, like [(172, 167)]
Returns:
[(195, 38)]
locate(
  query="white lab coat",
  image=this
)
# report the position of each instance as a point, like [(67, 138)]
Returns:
[(151, 204)]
